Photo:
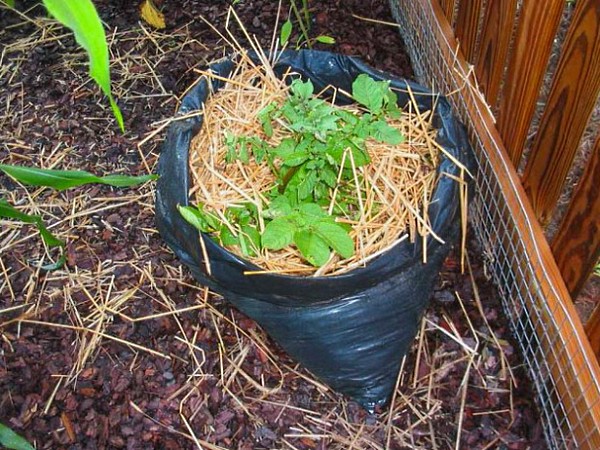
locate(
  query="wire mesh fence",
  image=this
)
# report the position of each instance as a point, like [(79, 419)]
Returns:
[(555, 350)]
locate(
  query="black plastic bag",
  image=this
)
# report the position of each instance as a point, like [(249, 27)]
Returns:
[(350, 330)]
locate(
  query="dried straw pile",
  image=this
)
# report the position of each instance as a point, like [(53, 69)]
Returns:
[(393, 191)]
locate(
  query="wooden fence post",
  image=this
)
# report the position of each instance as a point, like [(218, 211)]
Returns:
[(572, 98), (576, 246), (536, 31)]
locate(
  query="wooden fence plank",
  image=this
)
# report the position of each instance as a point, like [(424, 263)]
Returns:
[(576, 246), (533, 43), (572, 97), (592, 328), (561, 335), (467, 25), (562, 340), (496, 32), (448, 8)]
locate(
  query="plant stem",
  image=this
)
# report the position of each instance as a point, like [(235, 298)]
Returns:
[(301, 21)]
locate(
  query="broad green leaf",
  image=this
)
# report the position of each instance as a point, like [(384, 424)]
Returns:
[(336, 237), (278, 207), (312, 211), (304, 182), (359, 155), (325, 39), (370, 93), (11, 440), (227, 238), (64, 179), (285, 148), (313, 248), (383, 132), (295, 159), (302, 89), (249, 241), (328, 176), (10, 3), (201, 220), (10, 212), (279, 233), (391, 105), (81, 17), (286, 31)]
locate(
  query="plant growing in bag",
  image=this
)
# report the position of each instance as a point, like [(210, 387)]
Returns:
[(235, 161), (294, 183), (325, 146)]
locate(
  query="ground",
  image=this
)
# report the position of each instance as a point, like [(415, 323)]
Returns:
[(121, 348)]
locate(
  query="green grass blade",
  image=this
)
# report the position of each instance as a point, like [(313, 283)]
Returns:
[(10, 439), (125, 180), (8, 211), (81, 17), (65, 179)]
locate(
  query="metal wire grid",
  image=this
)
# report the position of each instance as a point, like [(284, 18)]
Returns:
[(535, 326)]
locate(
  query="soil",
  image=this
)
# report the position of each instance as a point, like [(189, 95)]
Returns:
[(121, 348)]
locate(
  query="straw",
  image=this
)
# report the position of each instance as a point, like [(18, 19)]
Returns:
[(393, 192)]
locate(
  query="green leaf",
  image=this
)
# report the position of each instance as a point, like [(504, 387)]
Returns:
[(302, 89), (370, 93), (64, 179), (383, 132), (259, 149), (391, 105), (286, 31), (325, 39), (9, 212), (81, 17), (336, 237), (200, 219), (55, 265), (328, 176), (266, 116), (10, 439), (279, 233), (249, 241), (10, 3), (311, 211), (304, 183), (313, 248), (285, 148), (227, 238), (278, 207)]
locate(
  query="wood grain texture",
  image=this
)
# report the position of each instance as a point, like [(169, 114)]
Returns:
[(467, 26), (498, 21), (574, 368), (592, 327), (576, 246), (572, 97), (448, 7), (531, 49)]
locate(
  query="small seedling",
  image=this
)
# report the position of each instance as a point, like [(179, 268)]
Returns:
[(302, 16), (324, 147)]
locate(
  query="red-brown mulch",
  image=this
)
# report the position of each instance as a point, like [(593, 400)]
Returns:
[(170, 369)]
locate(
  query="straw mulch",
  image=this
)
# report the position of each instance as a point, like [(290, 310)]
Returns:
[(392, 192), (122, 349)]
